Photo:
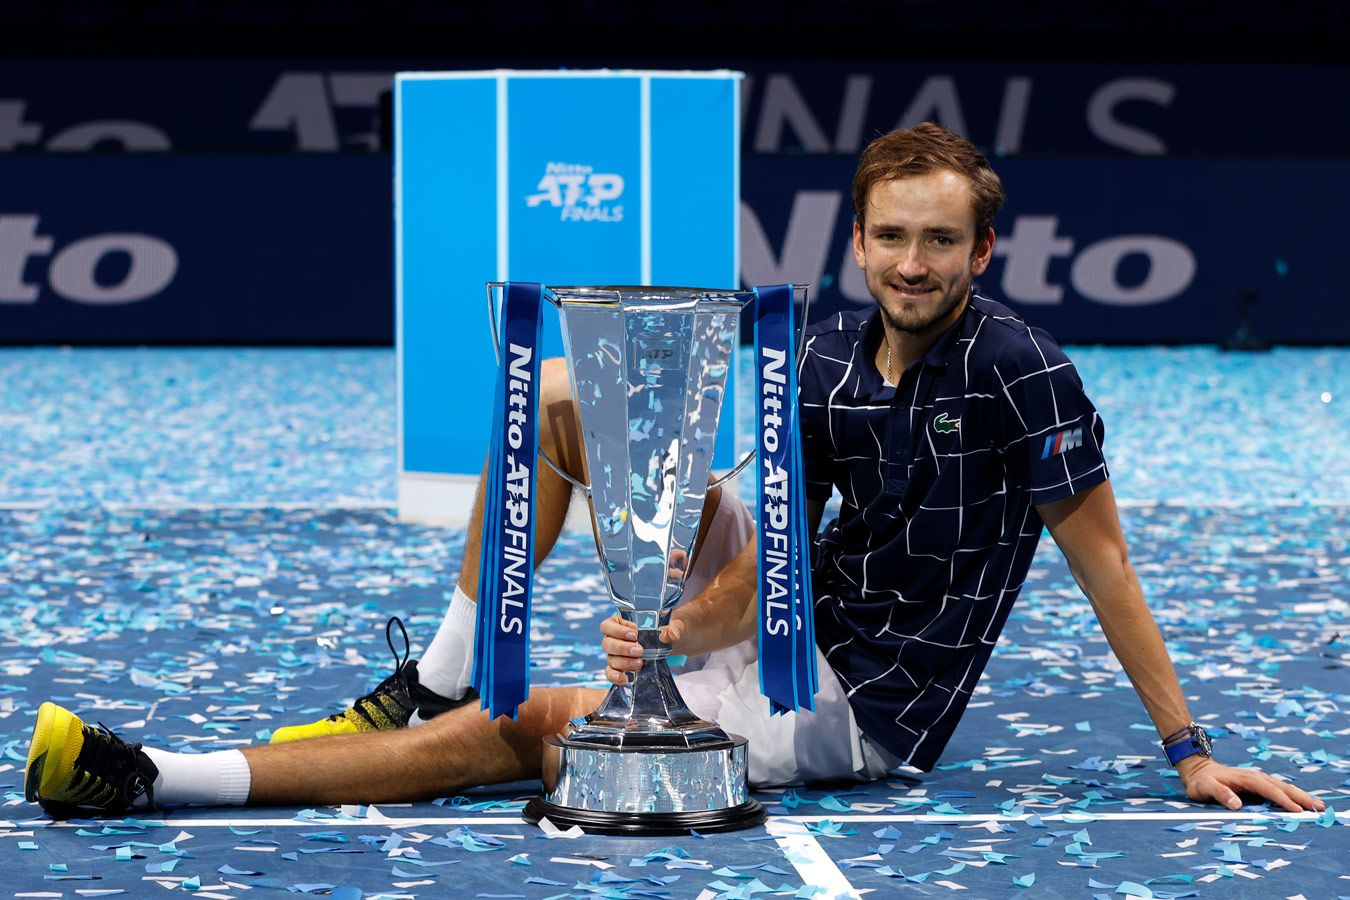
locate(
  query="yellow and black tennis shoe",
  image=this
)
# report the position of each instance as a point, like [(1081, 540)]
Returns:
[(74, 767), (391, 705)]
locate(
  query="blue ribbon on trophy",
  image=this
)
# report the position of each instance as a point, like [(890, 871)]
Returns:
[(787, 643), (506, 566)]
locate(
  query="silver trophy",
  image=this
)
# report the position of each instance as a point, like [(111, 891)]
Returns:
[(649, 369)]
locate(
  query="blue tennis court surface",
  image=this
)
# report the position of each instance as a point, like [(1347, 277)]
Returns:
[(199, 546)]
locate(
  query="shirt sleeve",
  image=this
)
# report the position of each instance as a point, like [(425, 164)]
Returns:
[(1044, 426), (817, 448)]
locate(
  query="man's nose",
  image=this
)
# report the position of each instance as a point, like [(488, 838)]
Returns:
[(912, 263)]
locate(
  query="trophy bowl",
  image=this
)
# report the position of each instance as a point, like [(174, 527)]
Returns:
[(648, 369)]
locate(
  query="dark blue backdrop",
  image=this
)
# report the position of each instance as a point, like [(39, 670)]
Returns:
[(791, 106), (1144, 200), (296, 249), (268, 249)]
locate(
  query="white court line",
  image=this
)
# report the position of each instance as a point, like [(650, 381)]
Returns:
[(285, 506), (841, 819), (810, 860), (1070, 817), (394, 821), (1233, 503)]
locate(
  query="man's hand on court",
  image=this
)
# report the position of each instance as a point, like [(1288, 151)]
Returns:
[(620, 643), (1207, 780)]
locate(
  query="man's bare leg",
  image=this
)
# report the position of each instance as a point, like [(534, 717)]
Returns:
[(456, 750), (560, 438)]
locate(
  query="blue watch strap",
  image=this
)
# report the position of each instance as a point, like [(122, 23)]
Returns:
[(1197, 742), (1182, 749)]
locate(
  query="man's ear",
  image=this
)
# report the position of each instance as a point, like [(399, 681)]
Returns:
[(984, 252), (858, 255)]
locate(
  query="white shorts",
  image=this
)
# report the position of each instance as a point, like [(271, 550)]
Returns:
[(723, 687)]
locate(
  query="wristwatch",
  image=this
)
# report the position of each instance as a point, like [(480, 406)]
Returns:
[(1186, 743)]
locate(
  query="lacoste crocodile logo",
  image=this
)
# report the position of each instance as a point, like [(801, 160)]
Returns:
[(943, 425)]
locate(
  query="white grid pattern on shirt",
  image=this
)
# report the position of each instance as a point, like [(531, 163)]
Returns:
[(890, 591)]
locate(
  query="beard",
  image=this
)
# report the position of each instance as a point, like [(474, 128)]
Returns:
[(924, 317)]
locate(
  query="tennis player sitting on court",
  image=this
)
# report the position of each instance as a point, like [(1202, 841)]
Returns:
[(951, 429)]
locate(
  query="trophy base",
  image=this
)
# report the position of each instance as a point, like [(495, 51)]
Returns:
[(710, 821), (646, 790)]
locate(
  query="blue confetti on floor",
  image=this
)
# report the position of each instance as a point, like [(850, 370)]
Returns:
[(199, 546)]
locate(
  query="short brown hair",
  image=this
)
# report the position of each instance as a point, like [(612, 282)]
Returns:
[(923, 149)]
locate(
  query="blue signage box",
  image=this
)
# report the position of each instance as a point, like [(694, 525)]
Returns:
[(619, 177)]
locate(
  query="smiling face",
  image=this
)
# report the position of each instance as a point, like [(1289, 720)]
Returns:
[(918, 249)]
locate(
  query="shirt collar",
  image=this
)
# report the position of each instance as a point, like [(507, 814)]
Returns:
[(939, 355)]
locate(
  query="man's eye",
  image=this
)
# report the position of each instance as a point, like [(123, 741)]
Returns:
[(942, 241)]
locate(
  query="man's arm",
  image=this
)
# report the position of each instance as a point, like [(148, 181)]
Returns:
[(1086, 527), (722, 615)]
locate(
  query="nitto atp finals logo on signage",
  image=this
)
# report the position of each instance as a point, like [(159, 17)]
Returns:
[(579, 193)]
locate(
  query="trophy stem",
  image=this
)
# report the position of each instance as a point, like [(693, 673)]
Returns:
[(648, 712)]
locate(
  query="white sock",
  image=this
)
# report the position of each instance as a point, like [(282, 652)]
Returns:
[(446, 666), (219, 778)]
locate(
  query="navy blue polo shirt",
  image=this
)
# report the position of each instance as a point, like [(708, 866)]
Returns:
[(939, 478)]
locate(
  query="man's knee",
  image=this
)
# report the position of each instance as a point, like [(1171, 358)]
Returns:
[(546, 711), (554, 384)]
